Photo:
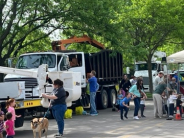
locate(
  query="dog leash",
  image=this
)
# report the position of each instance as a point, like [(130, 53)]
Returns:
[(45, 114), (48, 108)]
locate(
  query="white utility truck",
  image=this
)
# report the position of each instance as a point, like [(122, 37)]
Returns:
[(22, 80), (108, 67), (141, 68)]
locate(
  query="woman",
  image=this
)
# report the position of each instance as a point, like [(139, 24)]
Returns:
[(125, 84), (157, 98), (136, 91), (58, 105)]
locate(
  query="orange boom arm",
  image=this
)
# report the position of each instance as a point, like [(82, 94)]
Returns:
[(60, 45)]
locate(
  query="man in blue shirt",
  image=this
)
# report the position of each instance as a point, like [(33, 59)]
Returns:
[(124, 105), (176, 76), (93, 88), (177, 80)]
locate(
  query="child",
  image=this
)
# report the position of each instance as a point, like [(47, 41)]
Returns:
[(119, 98), (124, 105), (10, 104), (172, 96), (9, 125), (164, 97), (179, 104), (1, 122), (142, 103)]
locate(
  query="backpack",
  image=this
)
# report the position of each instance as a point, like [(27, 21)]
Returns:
[(123, 93)]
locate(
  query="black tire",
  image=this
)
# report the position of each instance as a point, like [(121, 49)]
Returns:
[(19, 122), (111, 97), (103, 99), (79, 102)]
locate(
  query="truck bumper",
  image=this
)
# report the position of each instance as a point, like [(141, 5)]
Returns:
[(28, 103)]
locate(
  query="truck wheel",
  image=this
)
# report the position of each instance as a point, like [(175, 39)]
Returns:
[(79, 102), (111, 97), (103, 99)]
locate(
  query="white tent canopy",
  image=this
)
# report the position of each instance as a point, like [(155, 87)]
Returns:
[(176, 57)]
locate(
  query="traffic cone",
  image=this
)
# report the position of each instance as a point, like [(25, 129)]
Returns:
[(178, 117)]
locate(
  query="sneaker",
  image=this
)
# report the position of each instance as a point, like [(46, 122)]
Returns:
[(139, 116), (126, 117), (94, 114), (170, 116), (135, 118), (122, 119), (143, 116), (155, 116), (58, 135)]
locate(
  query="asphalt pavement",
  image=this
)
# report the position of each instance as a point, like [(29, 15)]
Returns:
[(108, 125)]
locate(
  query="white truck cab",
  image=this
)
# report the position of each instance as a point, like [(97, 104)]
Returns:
[(141, 68), (56, 61)]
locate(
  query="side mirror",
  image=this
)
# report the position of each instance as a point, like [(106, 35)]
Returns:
[(9, 62), (128, 70)]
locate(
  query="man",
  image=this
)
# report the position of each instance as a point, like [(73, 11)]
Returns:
[(176, 76), (93, 88), (157, 98), (158, 79), (177, 80), (133, 80)]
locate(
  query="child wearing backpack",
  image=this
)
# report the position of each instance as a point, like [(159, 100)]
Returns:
[(119, 98), (124, 105)]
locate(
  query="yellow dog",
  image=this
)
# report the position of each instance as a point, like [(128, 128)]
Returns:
[(39, 125)]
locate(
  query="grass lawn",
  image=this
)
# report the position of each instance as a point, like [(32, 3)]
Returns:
[(149, 95)]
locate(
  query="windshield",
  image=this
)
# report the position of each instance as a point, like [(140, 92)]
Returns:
[(35, 60), (144, 66)]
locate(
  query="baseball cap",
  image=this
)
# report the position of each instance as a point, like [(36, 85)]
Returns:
[(161, 72), (175, 72)]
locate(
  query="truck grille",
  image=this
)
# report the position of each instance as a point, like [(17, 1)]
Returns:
[(146, 80), (29, 82)]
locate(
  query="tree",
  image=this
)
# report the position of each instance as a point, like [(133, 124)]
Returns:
[(148, 25), (20, 19)]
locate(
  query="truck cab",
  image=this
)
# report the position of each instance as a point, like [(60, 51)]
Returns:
[(31, 61), (141, 69)]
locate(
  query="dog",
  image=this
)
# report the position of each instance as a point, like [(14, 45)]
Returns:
[(39, 125)]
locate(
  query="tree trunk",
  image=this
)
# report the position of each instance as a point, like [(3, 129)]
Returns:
[(1, 74), (150, 74)]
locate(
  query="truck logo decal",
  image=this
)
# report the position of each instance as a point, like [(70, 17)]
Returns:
[(77, 83)]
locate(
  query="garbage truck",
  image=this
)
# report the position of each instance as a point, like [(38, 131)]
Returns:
[(107, 64)]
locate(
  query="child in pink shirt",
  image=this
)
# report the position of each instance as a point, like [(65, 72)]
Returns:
[(10, 104), (9, 126)]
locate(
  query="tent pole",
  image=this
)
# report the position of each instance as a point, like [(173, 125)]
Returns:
[(167, 91), (178, 85)]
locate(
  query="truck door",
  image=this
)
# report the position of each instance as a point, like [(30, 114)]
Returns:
[(77, 64), (63, 63)]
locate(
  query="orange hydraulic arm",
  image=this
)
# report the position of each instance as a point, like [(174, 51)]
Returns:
[(60, 45)]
